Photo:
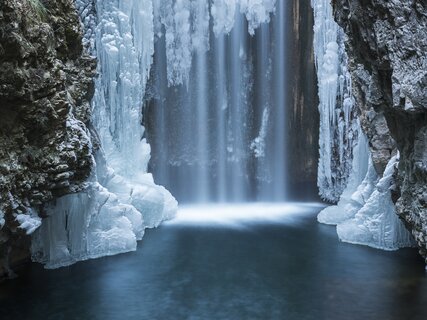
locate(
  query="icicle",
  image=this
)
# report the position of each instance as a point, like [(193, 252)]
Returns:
[(257, 12), (223, 13), (337, 110)]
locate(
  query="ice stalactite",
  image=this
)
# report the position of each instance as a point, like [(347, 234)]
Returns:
[(120, 200), (365, 213), (257, 12), (223, 13), (186, 25), (338, 125)]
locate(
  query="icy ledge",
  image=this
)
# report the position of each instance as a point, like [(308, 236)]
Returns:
[(368, 216), (97, 222)]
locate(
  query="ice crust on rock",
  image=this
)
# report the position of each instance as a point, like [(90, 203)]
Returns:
[(121, 198), (359, 187), (338, 121)]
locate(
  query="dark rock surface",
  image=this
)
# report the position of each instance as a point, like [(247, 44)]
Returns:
[(46, 83), (387, 48), (303, 114)]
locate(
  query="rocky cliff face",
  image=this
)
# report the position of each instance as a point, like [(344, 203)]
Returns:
[(387, 49), (46, 83)]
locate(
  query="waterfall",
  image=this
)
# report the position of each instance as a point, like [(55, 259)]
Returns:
[(217, 121), (211, 77)]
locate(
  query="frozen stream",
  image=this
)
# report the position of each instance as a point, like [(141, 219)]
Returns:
[(240, 262)]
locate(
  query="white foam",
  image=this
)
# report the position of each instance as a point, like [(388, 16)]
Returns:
[(241, 214)]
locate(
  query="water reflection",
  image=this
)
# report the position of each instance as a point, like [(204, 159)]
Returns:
[(288, 267)]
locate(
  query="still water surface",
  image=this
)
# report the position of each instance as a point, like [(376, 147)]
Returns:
[(271, 263)]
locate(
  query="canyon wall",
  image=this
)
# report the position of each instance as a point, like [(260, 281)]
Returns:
[(387, 48), (46, 84)]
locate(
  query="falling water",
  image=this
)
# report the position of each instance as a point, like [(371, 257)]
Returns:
[(217, 100)]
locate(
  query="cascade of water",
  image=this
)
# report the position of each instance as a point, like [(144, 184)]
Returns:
[(221, 107), (225, 106), (280, 163), (201, 44), (237, 135)]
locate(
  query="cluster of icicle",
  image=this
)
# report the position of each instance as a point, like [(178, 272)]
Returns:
[(365, 213), (338, 124), (120, 199), (186, 25)]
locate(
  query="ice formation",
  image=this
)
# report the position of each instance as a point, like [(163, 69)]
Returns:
[(186, 27), (338, 124), (223, 13), (29, 222), (360, 184), (365, 213), (376, 223), (257, 12), (120, 199)]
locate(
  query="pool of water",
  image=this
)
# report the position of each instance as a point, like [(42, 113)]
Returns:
[(271, 263)]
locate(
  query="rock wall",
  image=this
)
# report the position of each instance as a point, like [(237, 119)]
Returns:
[(303, 112), (46, 84), (387, 49)]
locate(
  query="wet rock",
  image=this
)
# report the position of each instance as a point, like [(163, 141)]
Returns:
[(46, 84)]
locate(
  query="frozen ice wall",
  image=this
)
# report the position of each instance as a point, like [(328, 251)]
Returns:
[(121, 199), (365, 213), (338, 125)]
